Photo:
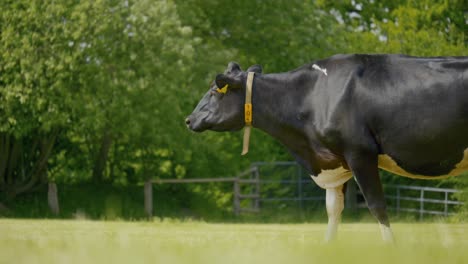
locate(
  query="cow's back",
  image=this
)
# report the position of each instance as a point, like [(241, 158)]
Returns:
[(416, 108)]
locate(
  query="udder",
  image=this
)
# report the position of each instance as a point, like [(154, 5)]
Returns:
[(332, 178)]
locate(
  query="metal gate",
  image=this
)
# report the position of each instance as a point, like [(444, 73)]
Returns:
[(285, 183), (273, 184)]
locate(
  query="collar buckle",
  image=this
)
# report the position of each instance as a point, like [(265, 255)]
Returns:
[(248, 113)]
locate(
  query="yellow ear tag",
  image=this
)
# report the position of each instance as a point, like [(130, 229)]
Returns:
[(222, 90)]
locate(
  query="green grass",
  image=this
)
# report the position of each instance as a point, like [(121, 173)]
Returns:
[(81, 241)]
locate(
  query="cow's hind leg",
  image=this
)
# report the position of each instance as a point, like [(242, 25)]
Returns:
[(335, 205), (366, 173)]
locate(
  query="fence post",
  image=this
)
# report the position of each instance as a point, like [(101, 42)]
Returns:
[(236, 198), (253, 188), (257, 188), (299, 186), (446, 204), (421, 206), (148, 191), (52, 198), (398, 200)]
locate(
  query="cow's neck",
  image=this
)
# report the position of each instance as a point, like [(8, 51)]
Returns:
[(276, 102), (277, 109)]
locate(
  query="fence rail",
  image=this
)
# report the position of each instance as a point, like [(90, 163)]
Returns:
[(200, 180), (423, 200)]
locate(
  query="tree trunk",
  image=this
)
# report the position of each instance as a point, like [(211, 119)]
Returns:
[(102, 156), (13, 161), (52, 198), (39, 170), (4, 156), (148, 191)]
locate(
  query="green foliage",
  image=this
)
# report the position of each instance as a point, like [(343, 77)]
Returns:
[(103, 76), (419, 28), (98, 91)]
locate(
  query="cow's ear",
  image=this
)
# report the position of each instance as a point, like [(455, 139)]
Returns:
[(232, 81), (255, 68), (232, 67)]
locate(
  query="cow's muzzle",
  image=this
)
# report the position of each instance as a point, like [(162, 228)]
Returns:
[(193, 123), (189, 122)]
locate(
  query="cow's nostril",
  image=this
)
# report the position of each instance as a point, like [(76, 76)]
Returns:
[(187, 121)]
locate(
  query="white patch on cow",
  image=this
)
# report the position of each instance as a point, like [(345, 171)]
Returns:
[(315, 66), (335, 205), (388, 164), (332, 178), (387, 234)]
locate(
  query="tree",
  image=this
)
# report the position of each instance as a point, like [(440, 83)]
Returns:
[(419, 28), (37, 66), (86, 74), (139, 51)]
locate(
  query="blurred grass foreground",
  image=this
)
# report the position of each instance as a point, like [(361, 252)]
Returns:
[(54, 241)]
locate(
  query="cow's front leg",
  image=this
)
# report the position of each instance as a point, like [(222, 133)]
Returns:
[(335, 205), (366, 173)]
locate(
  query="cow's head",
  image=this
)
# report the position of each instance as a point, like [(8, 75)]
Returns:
[(222, 107)]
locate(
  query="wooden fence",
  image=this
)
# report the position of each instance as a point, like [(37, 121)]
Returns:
[(250, 176)]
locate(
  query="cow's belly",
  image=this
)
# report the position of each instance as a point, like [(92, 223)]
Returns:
[(333, 178), (388, 164)]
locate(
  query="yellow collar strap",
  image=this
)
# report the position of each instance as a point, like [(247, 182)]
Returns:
[(248, 112)]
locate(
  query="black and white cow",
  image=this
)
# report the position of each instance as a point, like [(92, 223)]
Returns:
[(350, 115)]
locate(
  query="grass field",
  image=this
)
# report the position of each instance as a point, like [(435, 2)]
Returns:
[(54, 241)]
